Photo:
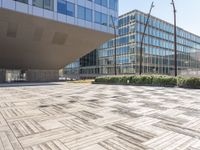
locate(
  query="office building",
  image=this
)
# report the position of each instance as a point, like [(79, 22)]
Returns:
[(84, 68), (39, 37), (158, 48)]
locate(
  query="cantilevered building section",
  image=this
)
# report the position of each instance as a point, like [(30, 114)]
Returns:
[(39, 37), (158, 49)]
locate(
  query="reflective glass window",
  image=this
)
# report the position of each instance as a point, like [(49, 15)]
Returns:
[(104, 3), (84, 13), (62, 7), (98, 2), (104, 19), (113, 4), (70, 9), (97, 17), (113, 20), (38, 3), (81, 12), (66, 8), (22, 1), (89, 15), (46, 4)]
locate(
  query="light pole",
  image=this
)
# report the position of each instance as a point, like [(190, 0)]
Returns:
[(115, 44), (141, 44), (175, 47)]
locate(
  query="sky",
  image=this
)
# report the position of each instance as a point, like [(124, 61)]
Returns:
[(188, 11)]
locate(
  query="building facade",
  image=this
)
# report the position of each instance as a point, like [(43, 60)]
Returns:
[(158, 48), (84, 68), (42, 35)]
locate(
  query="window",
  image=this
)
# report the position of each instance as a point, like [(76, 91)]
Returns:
[(97, 17), (46, 4), (104, 19), (88, 14), (70, 9), (101, 18), (66, 8), (62, 7), (84, 13), (22, 1), (38, 3), (98, 2), (102, 2), (81, 12), (113, 21), (113, 4)]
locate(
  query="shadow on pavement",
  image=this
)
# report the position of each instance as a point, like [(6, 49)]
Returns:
[(29, 84)]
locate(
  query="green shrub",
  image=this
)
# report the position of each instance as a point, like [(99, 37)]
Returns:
[(146, 80), (101, 80), (113, 79), (154, 80), (164, 81), (132, 79), (141, 80), (192, 82), (124, 80)]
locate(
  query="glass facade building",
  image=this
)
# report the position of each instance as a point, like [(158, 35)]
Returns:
[(86, 67), (93, 14), (39, 37), (158, 48)]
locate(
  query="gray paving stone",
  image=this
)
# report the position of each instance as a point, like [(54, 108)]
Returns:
[(67, 116)]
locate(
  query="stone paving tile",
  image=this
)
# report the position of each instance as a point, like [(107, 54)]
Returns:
[(67, 116)]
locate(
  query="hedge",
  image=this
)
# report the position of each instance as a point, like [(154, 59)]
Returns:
[(192, 82), (151, 80)]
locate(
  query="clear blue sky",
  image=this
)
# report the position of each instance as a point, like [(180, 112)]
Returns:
[(188, 11)]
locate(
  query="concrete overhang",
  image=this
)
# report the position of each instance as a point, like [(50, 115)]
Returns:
[(31, 42)]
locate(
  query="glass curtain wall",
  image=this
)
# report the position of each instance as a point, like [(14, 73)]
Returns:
[(46, 4), (101, 18), (22, 1), (158, 48), (66, 8), (85, 13)]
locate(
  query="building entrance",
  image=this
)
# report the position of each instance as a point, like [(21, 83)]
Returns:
[(15, 76)]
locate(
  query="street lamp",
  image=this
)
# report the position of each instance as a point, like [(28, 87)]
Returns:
[(141, 44), (115, 40), (175, 47)]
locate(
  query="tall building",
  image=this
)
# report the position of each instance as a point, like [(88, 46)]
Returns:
[(158, 48), (39, 37)]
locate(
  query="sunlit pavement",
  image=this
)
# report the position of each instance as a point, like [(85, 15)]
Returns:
[(68, 116)]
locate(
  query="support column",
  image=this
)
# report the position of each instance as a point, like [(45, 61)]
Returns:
[(42, 75), (2, 75)]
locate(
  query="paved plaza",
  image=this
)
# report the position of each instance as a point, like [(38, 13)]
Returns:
[(68, 116)]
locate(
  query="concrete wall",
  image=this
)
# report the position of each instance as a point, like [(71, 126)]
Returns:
[(42, 75), (2, 75)]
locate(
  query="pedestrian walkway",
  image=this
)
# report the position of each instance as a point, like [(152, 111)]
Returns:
[(68, 116)]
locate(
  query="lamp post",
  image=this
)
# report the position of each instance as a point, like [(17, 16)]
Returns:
[(175, 47), (115, 44), (141, 44)]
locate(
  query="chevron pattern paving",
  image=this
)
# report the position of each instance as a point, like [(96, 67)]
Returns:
[(67, 116)]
